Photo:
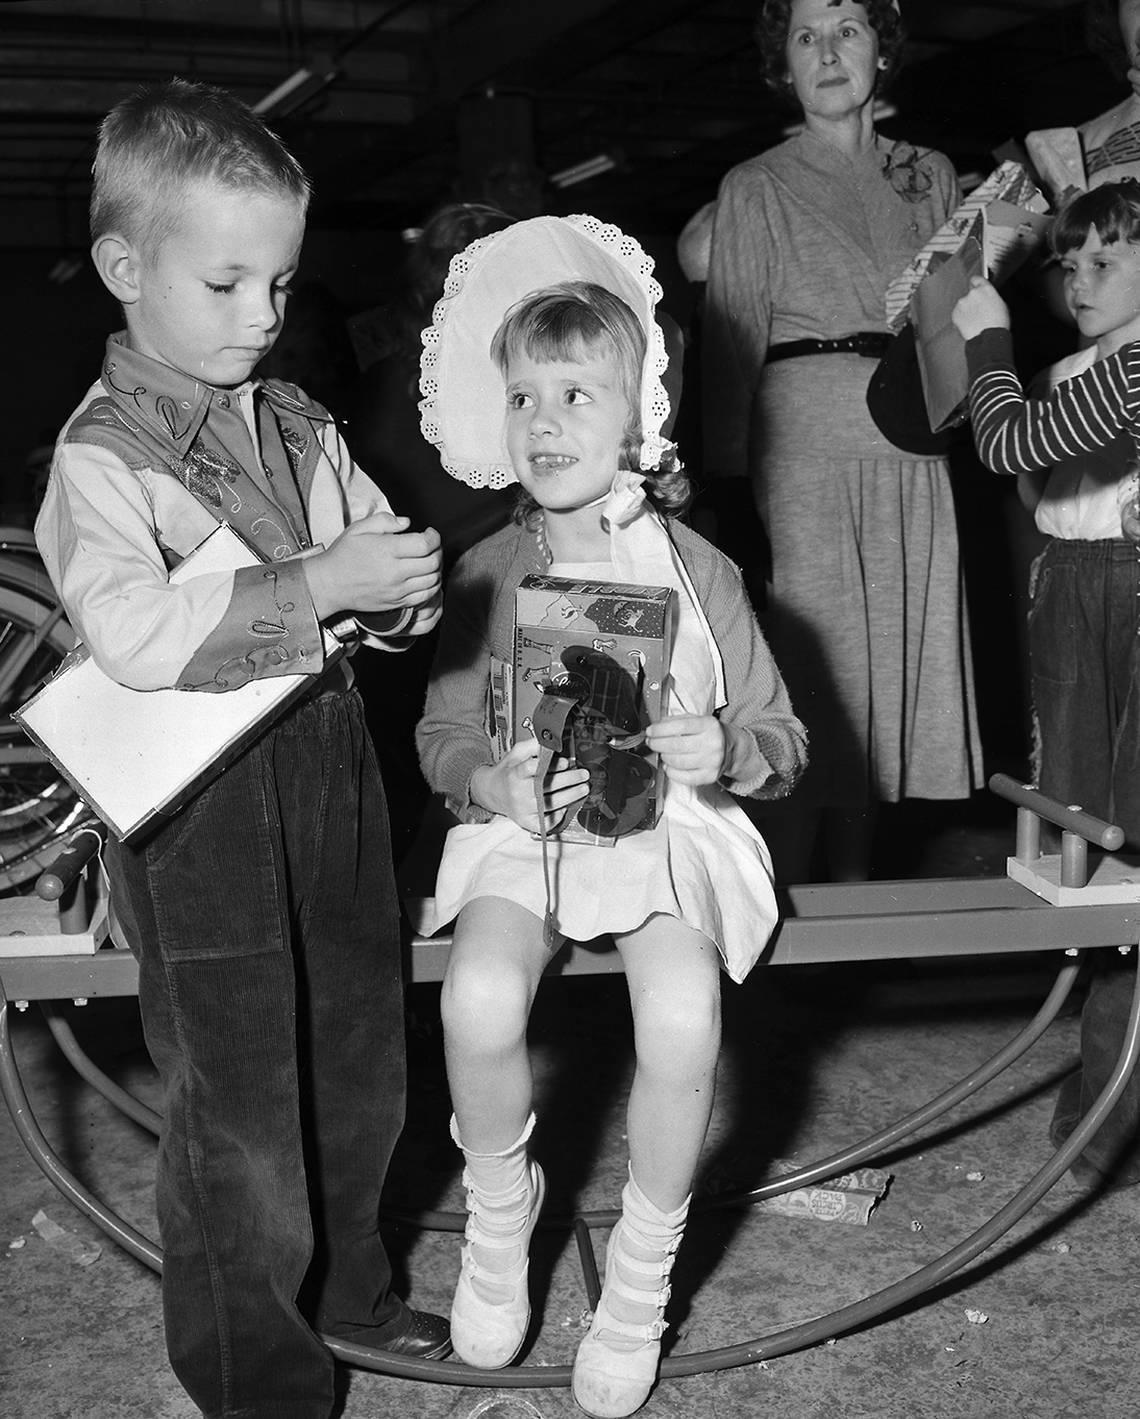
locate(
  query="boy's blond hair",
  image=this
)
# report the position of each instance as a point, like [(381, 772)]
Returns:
[(156, 144)]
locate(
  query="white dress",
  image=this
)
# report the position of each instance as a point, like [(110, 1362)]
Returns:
[(704, 862)]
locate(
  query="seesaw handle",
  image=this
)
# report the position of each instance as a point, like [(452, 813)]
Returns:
[(1071, 819), (64, 869)]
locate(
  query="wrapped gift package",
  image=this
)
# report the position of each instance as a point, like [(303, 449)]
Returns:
[(1006, 215)]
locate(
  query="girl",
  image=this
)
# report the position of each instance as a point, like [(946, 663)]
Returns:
[(584, 406)]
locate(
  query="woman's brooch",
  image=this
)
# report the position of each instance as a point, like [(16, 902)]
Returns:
[(908, 175)]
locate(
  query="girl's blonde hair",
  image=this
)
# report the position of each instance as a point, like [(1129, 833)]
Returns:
[(569, 322)]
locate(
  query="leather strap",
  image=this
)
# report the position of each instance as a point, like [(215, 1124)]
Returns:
[(548, 725)]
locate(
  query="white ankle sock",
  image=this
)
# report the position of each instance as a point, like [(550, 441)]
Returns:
[(500, 1185)]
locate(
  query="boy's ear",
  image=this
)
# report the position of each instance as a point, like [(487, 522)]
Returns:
[(117, 263)]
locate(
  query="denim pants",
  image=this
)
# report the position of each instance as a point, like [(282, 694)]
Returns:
[(264, 919), (1084, 623)]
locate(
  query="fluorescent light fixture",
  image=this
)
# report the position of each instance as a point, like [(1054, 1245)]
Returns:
[(583, 171), (297, 89), (65, 268)]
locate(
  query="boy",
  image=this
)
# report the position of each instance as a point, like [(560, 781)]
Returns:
[(263, 914), (1075, 452)]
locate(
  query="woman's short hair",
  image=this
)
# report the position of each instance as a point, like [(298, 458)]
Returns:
[(1112, 210), (771, 32), (156, 144), (568, 322)]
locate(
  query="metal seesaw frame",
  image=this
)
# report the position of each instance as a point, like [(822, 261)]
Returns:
[(820, 924)]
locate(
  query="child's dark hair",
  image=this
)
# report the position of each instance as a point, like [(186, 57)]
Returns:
[(567, 322), (448, 230), (1112, 210), (155, 144), (774, 21)]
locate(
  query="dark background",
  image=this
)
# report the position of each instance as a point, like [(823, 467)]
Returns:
[(484, 100), (416, 103)]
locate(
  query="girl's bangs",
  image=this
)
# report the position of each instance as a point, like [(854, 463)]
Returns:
[(571, 333)]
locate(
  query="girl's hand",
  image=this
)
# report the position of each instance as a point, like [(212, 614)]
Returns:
[(981, 308), (692, 747), (507, 788)]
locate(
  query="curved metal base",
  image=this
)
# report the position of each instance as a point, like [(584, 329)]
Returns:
[(763, 1347)]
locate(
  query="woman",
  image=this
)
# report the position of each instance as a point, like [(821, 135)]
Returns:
[(867, 617)]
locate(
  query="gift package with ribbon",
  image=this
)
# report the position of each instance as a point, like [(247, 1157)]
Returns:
[(918, 393)]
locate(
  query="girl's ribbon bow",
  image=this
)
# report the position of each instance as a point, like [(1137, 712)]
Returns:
[(625, 499)]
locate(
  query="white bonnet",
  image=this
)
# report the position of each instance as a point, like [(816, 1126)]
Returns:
[(463, 408)]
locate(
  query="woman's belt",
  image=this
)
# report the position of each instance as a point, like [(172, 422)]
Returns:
[(871, 344)]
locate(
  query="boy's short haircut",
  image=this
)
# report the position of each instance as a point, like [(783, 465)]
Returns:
[(155, 144), (1112, 210)]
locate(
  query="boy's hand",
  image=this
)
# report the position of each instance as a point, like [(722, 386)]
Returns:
[(375, 564), (426, 618), (693, 747), (508, 788), (981, 308)]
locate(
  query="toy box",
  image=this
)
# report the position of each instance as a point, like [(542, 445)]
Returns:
[(602, 648)]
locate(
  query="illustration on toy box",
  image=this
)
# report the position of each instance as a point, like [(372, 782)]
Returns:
[(591, 664)]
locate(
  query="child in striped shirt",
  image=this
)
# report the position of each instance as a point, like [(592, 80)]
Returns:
[(1076, 450)]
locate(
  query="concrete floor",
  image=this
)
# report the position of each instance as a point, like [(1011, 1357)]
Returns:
[(1043, 1324)]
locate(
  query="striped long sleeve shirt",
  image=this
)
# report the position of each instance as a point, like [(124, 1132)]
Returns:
[(1018, 435)]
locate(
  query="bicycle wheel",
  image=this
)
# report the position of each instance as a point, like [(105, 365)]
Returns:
[(20, 541), (38, 807)]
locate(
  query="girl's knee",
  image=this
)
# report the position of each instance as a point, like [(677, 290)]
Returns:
[(485, 1001), (679, 1025)]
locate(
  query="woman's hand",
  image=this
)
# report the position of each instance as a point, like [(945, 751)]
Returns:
[(981, 308), (507, 788), (693, 747)]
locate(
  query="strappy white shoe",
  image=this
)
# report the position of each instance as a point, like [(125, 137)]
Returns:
[(617, 1361), (490, 1312)]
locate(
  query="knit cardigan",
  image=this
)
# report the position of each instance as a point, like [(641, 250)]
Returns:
[(478, 623)]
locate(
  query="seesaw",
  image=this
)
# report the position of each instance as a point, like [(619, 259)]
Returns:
[(1047, 902)]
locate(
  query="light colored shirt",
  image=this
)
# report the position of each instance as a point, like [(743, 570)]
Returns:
[(144, 470), (1082, 496)]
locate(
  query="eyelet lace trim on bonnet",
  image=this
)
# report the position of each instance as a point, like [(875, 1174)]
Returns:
[(494, 470)]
